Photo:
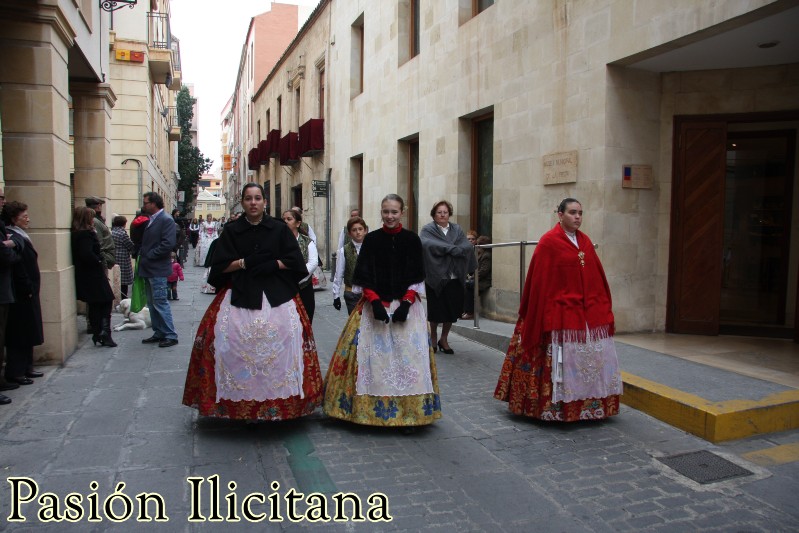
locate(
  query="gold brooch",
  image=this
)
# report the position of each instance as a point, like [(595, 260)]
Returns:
[(581, 255)]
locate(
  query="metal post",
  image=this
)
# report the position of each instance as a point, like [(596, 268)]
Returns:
[(475, 293)]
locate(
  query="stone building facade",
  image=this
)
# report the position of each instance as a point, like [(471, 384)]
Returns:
[(673, 122), (60, 135)]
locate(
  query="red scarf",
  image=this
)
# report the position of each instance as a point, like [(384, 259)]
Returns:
[(566, 290)]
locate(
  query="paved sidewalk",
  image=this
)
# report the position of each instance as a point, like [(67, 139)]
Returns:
[(114, 415)]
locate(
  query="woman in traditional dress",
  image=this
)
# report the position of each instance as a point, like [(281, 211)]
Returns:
[(208, 233), (448, 258), (254, 356), (194, 233), (562, 364), (308, 248), (383, 372)]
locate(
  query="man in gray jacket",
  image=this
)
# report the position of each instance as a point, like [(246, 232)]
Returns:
[(155, 265)]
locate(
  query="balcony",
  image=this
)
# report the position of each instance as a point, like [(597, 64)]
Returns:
[(253, 159), (288, 149), (312, 137), (160, 48), (273, 143), (177, 76), (172, 123)]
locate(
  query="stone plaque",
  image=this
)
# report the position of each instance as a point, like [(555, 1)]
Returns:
[(560, 168), (636, 177)]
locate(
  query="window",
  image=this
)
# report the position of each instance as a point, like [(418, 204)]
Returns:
[(356, 181), (267, 197), (279, 113), (356, 57), (297, 108), (482, 174), (296, 196), (268, 122), (478, 6), (321, 94), (259, 131), (414, 30), (408, 179), (278, 203)]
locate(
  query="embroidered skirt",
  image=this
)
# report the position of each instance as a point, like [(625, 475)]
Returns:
[(526, 383), (259, 378), (401, 379)]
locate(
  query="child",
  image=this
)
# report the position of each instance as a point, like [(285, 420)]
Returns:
[(345, 264), (172, 280)]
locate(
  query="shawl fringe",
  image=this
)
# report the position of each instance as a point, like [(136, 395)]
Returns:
[(587, 335)]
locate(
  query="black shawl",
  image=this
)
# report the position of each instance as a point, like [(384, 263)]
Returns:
[(389, 263)]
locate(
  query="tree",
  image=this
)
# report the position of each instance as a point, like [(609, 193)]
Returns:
[(191, 162)]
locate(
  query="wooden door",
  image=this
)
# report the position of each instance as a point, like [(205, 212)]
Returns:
[(697, 227)]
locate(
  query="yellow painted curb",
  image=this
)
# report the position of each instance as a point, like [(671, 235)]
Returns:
[(713, 421), (778, 455)]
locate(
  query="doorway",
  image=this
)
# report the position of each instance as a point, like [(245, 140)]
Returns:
[(731, 253), (758, 195)]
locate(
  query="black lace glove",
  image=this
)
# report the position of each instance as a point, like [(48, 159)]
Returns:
[(337, 304), (379, 311), (401, 312)]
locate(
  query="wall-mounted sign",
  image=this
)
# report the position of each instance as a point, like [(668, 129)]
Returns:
[(560, 168), (319, 189), (636, 177)]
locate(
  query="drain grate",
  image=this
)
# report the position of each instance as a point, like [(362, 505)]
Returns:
[(704, 467)]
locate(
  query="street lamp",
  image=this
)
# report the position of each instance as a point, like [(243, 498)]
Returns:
[(113, 5)]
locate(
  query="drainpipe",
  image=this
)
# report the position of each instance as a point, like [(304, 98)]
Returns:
[(138, 172)]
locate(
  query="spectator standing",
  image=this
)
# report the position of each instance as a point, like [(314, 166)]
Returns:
[(8, 257), (448, 257), (103, 233), (91, 279), (484, 273), (123, 249), (293, 220), (155, 265), (172, 280), (24, 327), (344, 237)]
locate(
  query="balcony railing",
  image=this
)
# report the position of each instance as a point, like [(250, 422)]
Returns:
[(177, 76), (159, 34), (172, 123)]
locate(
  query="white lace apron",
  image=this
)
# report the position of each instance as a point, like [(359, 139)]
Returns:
[(394, 358), (259, 352), (584, 365)]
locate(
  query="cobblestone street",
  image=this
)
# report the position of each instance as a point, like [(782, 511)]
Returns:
[(114, 416)]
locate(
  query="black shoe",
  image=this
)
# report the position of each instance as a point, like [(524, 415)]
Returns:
[(34, 374), (21, 380), (4, 400), (8, 386), (448, 351), (166, 343), (152, 340)]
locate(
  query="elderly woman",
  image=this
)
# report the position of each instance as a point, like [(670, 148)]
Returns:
[(123, 250), (24, 326), (448, 258), (91, 282)]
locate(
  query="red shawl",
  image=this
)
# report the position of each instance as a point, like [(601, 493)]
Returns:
[(565, 289)]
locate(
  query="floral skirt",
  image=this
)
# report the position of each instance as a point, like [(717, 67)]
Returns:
[(525, 382), (342, 401), (200, 389)]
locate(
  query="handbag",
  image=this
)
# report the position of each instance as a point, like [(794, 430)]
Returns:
[(138, 297)]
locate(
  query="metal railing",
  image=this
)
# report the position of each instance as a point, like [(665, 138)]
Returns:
[(522, 271), (158, 31), (176, 54)]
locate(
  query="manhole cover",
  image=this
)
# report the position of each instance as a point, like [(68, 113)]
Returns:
[(704, 466)]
